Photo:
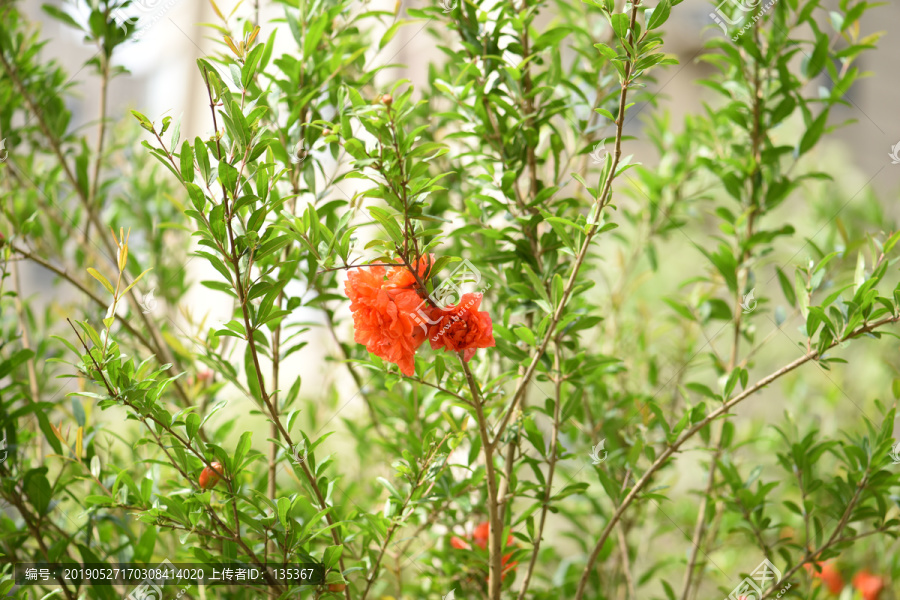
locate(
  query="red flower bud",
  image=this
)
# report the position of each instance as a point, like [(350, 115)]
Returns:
[(337, 587), (387, 99), (210, 476)]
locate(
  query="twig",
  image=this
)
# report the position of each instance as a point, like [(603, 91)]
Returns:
[(551, 470), (496, 527), (395, 524)]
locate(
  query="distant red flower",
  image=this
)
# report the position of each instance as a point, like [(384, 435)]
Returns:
[(869, 585), (459, 543), (382, 312), (830, 576), (462, 327), (480, 536)]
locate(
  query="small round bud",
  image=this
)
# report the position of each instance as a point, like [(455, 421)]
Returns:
[(387, 100), (210, 476)]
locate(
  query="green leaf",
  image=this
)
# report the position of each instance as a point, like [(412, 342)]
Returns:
[(786, 287), (198, 198), (136, 279), (284, 506), (816, 62), (37, 488), (61, 16), (144, 121), (192, 424), (242, 449), (659, 15), (96, 275), (202, 158), (187, 162), (525, 334), (551, 38), (389, 222), (812, 135), (620, 24), (332, 556)]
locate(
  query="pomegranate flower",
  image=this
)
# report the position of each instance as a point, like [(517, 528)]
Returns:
[(462, 327), (868, 585), (388, 312), (381, 315)]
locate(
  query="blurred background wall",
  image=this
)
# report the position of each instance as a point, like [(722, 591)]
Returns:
[(164, 76)]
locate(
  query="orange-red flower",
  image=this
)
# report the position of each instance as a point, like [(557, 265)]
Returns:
[(830, 576), (382, 312), (480, 536), (869, 585), (402, 277), (461, 327), (389, 316)]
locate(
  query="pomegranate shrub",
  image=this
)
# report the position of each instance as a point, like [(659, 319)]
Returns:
[(512, 332)]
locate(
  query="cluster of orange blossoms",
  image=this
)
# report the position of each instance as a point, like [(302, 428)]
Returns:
[(868, 585), (480, 536), (385, 303)]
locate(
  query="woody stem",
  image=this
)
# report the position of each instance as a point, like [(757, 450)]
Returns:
[(496, 526)]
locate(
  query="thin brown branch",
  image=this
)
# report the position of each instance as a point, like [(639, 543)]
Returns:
[(551, 471), (496, 526)]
